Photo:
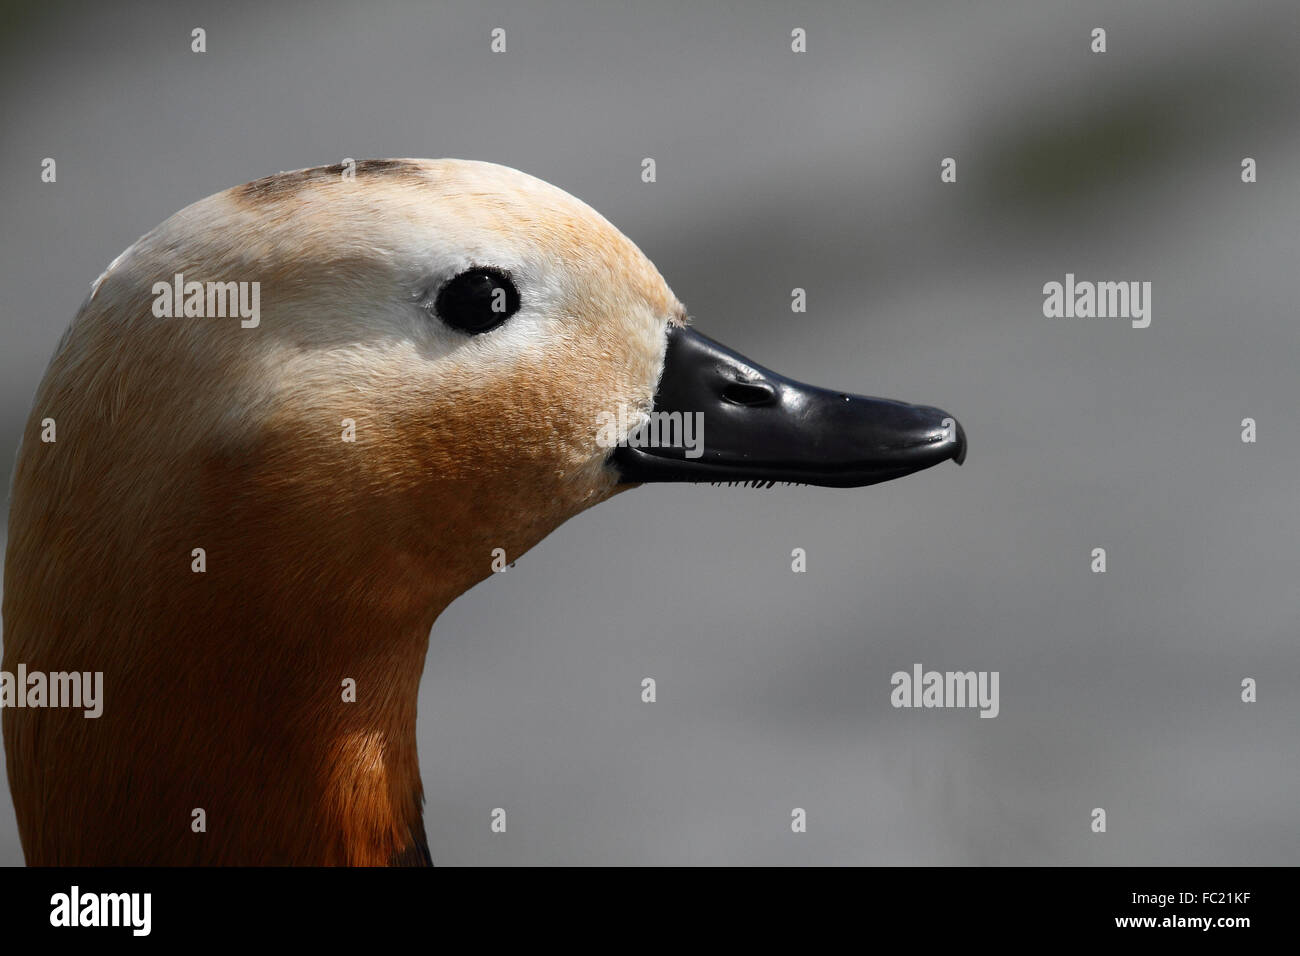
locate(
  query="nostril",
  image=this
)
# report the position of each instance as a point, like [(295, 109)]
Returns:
[(749, 393)]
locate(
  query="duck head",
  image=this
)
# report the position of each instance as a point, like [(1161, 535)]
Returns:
[(247, 511)]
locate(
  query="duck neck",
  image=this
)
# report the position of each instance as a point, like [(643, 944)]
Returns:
[(246, 744), (335, 739), (363, 763)]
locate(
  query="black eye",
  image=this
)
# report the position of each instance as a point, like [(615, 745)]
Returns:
[(477, 300)]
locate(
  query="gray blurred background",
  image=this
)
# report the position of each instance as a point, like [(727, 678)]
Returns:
[(818, 170)]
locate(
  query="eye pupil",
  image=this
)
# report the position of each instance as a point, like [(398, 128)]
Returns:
[(477, 300)]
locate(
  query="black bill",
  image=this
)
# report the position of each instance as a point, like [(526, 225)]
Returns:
[(720, 417)]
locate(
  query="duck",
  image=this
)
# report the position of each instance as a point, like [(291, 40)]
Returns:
[(249, 519)]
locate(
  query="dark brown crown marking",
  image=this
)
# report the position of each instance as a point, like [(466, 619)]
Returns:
[(285, 185)]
